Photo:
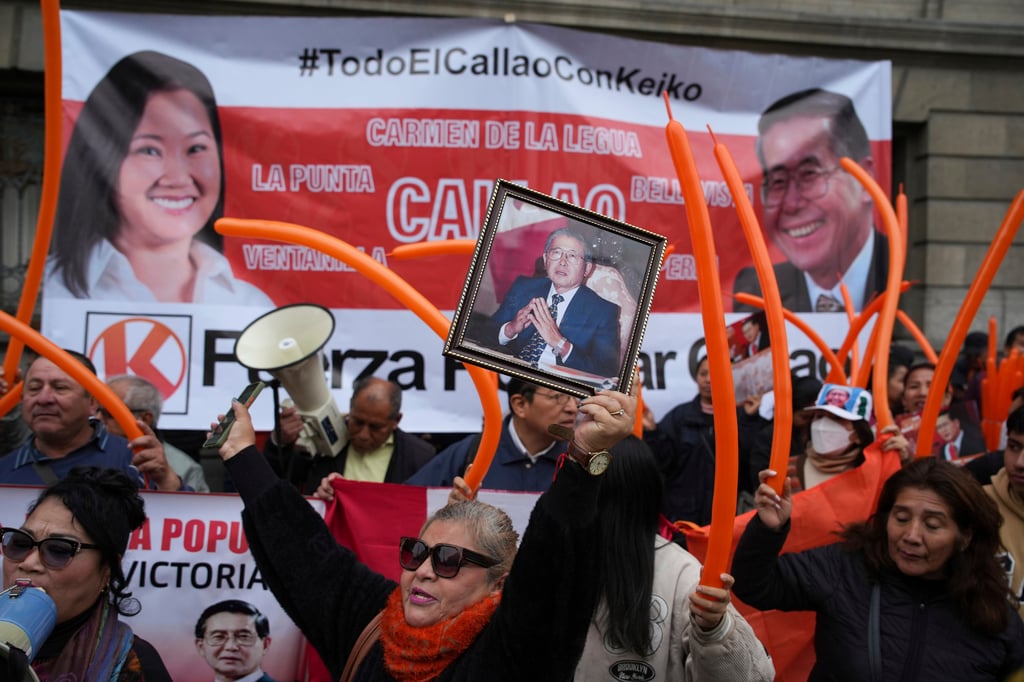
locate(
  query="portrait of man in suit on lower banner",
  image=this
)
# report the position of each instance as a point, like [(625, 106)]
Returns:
[(232, 636)]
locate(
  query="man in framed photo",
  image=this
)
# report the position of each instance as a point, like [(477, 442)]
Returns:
[(556, 319)]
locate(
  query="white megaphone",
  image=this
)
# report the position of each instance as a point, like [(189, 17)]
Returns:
[(27, 617), (286, 342)]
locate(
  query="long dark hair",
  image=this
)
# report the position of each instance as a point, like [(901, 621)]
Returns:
[(975, 581), (629, 505), (86, 207), (107, 504)]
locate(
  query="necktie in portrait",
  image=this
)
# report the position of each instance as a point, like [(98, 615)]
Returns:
[(533, 349)]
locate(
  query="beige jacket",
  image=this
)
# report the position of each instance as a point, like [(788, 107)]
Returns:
[(680, 651), (1011, 507)]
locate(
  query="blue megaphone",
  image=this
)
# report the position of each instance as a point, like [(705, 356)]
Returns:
[(27, 617)]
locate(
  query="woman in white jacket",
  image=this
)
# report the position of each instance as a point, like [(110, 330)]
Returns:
[(653, 620)]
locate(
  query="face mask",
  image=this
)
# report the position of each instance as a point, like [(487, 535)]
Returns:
[(828, 436)]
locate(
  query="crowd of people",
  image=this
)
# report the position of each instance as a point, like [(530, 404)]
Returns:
[(942, 537), (937, 539)]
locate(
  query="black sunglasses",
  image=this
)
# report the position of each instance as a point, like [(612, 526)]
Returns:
[(446, 560), (55, 552)]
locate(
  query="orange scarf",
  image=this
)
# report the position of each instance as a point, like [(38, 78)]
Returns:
[(419, 654)]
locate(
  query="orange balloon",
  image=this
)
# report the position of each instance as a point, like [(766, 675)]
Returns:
[(993, 330), (922, 341), (850, 315), (890, 301), (996, 252), (638, 422), (872, 308), (902, 215), (48, 193), (484, 380), (782, 380), (1008, 379), (865, 370), (723, 392), (76, 370), (440, 248), (11, 398), (860, 375)]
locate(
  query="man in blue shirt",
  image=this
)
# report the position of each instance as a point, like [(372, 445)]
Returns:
[(527, 454), (65, 434)]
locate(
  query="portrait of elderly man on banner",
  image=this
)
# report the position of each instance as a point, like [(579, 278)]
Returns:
[(815, 213), (556, 293)]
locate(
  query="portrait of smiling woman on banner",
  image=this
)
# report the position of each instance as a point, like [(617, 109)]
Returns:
[(142, 184)]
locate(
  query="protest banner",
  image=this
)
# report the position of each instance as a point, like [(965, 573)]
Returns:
[(387, 132)]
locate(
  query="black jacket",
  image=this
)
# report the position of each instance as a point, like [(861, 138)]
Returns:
[(922, 637), (536, 633), (684, 445), (305, 472)]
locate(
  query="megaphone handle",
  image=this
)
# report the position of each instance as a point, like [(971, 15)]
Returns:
[(276, 385)]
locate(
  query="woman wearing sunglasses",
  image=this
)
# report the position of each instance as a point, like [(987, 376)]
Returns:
[(462, 610), (71, 545)]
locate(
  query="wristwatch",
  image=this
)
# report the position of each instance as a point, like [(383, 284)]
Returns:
[(595, 463)]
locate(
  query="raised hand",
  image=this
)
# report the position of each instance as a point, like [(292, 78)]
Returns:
[(605, 419), (891, 439), (325, 491), (242, 434), (151, 460), (291, 425), (460, 491), (773, 510), (709, 604)]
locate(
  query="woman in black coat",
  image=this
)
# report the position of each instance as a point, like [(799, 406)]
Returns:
[(462, 610), (914, 593)]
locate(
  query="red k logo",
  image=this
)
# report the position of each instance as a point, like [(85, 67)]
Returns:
[(148, 347)]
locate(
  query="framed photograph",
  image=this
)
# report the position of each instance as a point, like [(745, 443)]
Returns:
[(556, 294)]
